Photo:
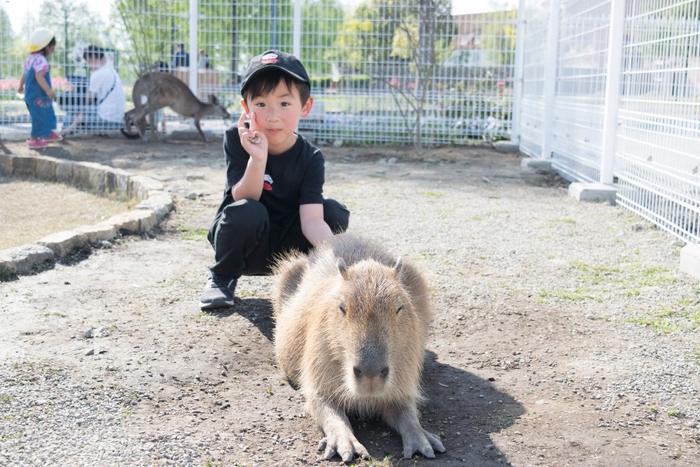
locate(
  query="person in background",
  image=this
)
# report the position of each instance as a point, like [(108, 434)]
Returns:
[(181, 58), (36, 81), (204, 62), (105, 90)]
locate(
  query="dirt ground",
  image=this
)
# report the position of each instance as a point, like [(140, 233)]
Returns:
[(538, 354)]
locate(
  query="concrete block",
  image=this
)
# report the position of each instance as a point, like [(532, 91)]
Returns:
[(89, 176), (597, 192), (46, 168), (27, 256), (6, 164), (541, 166), (159, 202), (64, 243), (24, 166), (7, 266), (139, 220), (507, 147), (690, 260), (64, 171), (116, 181), (98, 232), (141, 185)]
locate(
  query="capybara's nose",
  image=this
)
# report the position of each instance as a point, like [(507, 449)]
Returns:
[(370, 371)]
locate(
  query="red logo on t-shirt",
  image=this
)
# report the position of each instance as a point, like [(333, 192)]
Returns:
[(267, 184)]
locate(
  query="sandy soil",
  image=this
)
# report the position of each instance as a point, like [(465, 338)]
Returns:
[(539, 353)]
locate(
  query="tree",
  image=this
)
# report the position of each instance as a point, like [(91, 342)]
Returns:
[(6, 43), (71, 23), (386, 37)]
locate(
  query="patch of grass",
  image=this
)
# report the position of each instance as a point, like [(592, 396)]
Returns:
[(193, 233), (594, 274), (127, 412), (59, 206), (435, 194), (670, 319), (673, 412), (477, 218), (656, 276), (5, 398), (8, 438), (564, 220)]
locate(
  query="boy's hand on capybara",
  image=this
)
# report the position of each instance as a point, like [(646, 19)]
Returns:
[(342, 442)]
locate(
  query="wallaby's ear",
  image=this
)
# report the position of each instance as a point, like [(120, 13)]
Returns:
[(213, 99)]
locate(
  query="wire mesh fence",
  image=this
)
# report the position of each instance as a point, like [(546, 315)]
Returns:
[(382, 72), (656, 125)]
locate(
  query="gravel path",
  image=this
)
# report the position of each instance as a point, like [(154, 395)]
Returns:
[(563, 334)]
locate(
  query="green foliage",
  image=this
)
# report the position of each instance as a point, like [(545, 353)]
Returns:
[(71, 23)]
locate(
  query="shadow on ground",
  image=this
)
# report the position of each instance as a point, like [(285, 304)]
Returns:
[(461, 407)]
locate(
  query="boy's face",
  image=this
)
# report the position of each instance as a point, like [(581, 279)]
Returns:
[(277, 116)]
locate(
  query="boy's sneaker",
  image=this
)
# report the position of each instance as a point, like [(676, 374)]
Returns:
[(218, 292), (54, 137), (37, 143)]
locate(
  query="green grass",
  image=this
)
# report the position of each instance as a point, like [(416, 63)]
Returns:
[(193, 233), (671, 319)]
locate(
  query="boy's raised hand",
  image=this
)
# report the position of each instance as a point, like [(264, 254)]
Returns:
[(252, 140)]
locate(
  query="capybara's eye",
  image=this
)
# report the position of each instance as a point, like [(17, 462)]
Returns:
[(342, 306), (399, 306)]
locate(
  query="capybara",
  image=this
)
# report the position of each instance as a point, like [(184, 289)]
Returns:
[(351, 326)]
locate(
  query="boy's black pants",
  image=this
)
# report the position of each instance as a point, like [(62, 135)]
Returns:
[(245, 241)]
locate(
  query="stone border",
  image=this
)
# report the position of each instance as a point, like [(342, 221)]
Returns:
[(154, 206)]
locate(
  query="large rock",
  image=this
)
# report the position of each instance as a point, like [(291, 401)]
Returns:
[(6, 163), (98, 232), (139, 220), (64, 243), (46, 168), (690, 260), (24, 166), (26, 257), (159, 202), (7, 266)]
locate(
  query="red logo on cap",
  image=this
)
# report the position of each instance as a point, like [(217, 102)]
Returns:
[(268, 58)]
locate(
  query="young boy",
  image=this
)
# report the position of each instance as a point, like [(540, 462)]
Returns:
[(273, 201)]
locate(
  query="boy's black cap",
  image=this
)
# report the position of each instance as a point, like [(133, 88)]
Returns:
[(274, 59)]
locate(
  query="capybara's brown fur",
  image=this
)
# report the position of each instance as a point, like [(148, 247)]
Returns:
[(351, 327)]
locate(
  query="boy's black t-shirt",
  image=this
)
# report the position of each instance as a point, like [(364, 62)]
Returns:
[(292, 178)]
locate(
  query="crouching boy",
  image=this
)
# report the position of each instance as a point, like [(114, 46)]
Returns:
[(273, 201)]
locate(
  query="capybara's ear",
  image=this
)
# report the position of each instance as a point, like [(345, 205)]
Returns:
[(342, 268), (399, 266)]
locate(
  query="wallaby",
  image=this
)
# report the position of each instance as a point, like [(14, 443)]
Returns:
[(156, 90)]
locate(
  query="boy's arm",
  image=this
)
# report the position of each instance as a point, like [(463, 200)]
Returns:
[(41, 79), (20, 88), (313, 226), (250, 186)]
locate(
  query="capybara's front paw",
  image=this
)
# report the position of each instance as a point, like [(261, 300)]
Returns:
[(343, 444), (421, 441)]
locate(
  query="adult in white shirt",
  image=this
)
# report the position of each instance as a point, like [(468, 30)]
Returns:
[(105, 92)]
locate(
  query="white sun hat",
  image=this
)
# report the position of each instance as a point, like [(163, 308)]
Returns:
[(40, 38)]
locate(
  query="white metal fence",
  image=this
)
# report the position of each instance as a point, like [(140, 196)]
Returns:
[(621, 102), (383, 72)]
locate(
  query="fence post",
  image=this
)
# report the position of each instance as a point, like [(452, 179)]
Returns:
[(550, 79), (194, 46), (612, 89), (518, 72), (296, 36)]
